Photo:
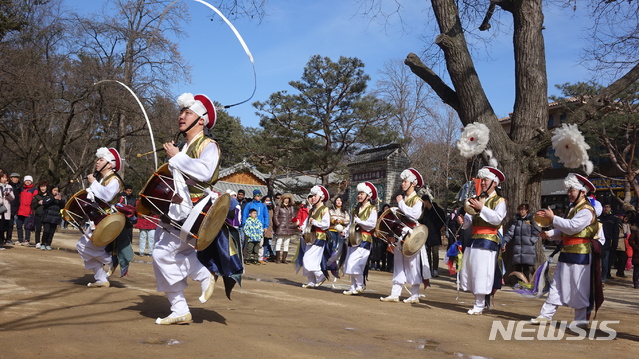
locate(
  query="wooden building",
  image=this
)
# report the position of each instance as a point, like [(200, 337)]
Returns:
[(244, 176)]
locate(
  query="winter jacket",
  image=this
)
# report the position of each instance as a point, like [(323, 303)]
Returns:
[(301, 215), (283, 218), (127, 200), (25, 200), (262, 212), (268, 233), (144, 223), (433, 219), (253, 229), (633, 241), (610, 224), (522, 235), (6, 198), (15, 203), (51, 210), (38, 208)]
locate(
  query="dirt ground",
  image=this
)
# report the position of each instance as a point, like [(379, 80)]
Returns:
[(46, 310)]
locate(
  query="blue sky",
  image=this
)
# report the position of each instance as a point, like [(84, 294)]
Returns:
[(295, 30)]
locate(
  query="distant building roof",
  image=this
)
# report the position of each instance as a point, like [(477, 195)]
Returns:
[(222, 186), (374, 154), (243, 167), (551, 106)]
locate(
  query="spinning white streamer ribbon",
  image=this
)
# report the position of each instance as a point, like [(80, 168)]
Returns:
[(146, 117), (239, 38)]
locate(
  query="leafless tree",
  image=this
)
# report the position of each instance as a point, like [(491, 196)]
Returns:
[(436, 156), (428, 128), (131, 46), (613, 48), (411, 98)]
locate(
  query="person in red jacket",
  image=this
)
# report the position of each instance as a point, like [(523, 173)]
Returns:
[(24, 211), (302, 214), (147, 234)]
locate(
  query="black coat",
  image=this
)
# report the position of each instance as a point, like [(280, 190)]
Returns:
[(522, 236), (610, 224), (38, 209), (433, 219), (52, 207), (15, 204)]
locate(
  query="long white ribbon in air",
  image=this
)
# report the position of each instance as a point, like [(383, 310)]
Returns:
[(148, 123), (239, 38)]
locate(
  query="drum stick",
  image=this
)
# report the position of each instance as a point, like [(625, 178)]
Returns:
[(158, 150), (150, 152)]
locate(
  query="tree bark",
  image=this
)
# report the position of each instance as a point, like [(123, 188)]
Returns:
[(522, 167)]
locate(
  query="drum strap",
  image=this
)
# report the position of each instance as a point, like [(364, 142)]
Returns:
[(111, 176), (194, 215), (195, 149)]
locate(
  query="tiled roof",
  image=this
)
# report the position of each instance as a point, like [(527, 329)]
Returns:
[(241, 167), (374, 154), (551, 105), (222, 186)]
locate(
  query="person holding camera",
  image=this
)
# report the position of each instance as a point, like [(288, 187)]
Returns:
[(6, 196)]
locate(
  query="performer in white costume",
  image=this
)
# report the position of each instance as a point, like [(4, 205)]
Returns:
[(365, 218), (571, 284), (319, 219), (106, 189), (174, 260), (480, 258), (415, 269)]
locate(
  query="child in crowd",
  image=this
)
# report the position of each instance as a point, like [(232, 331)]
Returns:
[(254, 231)]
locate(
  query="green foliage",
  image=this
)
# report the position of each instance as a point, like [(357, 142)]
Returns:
[(328, 118), (10, 18), (614, 130), (229, 134)]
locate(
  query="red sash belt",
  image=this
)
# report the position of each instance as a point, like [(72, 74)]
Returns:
[(368, 233), (484, 230), (317, 230), (569, 241)]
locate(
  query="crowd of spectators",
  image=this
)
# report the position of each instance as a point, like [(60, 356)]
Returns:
[(34, 211), (28, 209)]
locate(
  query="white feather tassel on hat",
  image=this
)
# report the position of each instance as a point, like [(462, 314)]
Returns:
[(473, 140), (186, 100), (570, 147), (492, 161)]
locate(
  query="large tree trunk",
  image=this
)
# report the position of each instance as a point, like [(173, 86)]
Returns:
[(521, 153), (519, 162), (530, 111), (517, 153)]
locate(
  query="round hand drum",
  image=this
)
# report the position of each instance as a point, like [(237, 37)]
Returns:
[(309, 235), (108, 225), (414, 242), (209, 222), (354, 235)]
